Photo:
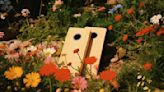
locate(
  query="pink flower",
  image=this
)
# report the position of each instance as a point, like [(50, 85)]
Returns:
[(76, 91), (58, 2), (12, 56), (49, 60), (79, 83), (40, 46), (58, 90), (54, 8), (1, 34), (100, 9)]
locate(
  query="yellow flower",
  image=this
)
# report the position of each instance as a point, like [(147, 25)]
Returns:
[(32, 79), (13, 72), (102, 90)]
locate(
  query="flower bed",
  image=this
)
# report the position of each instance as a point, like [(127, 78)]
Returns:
[(135, 29)]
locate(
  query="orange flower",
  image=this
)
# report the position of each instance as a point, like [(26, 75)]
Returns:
[(108, 75), (147, 66), (160, 32), (62, 75), (144, 31), (3, 46), (115, 84), (76, 51), (139, 40), (110, 27), (90, 60), (48, 69), (125, 37), (118, 17), (141, 4), (130, 11)]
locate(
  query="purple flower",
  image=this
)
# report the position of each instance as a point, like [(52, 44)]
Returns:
[(115, 8)]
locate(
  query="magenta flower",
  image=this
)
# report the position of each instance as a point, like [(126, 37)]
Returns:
[(79, 83)]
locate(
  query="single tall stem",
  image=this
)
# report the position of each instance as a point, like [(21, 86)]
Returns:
[(50, 84)]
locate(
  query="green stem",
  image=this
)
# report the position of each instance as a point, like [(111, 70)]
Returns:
[(27, 21), (91, 71), (80, 58), (50, 84), (75, 68), (65, 60)]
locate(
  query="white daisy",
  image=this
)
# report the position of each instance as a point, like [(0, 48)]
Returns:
[(155, 19), (48, 51), (25, 12)]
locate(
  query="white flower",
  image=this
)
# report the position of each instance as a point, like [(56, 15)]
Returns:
[(77, 15), (145, 88), (142, 84), (143, 78), (31, 48), (25, 12), (149, 81), (2, 16), (138, 84), (48, 51), (155, 19), (139, 76)]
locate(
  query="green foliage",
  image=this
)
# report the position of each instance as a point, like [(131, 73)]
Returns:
[(55, 24)]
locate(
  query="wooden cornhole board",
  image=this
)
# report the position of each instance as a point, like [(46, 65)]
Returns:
[(88, 40), (95, 47)]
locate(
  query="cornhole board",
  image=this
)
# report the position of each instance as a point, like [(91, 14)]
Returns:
[(89, 41), (95, 47), (76, 38)]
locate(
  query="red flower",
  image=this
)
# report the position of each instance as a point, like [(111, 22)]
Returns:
[(108, 75), (76, 51), (147, 66), (62, 75), (48, 69), (110, 27), (125, 37), (130, 11), (118, 17), (90, 60), (139, 40), (141, 4)]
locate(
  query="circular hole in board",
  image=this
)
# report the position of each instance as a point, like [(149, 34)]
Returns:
[(94, 35), (77, 36)]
